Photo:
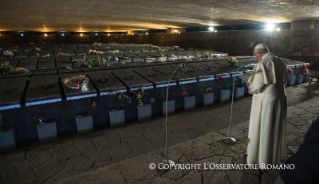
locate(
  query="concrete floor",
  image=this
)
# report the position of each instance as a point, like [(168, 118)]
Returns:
[(124, 155)]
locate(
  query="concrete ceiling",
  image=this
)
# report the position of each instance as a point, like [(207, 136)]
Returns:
[(128, 15)]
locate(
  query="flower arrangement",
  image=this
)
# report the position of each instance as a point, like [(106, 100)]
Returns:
[(95, 52), (40, 118), (120, 98), (306, 68), (97, 44), (85, 64), (142, 97), (93, 106), (7, 53), (5, 66), (233, 61), (79, 82), (35, 48), (103, 61), (291, 73), (223, 83), (208, 90), (185, 94)]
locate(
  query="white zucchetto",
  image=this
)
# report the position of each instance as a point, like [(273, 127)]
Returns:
[(261, 46)]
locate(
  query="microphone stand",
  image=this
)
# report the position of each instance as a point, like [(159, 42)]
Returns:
[(168, 161), (230, 140)]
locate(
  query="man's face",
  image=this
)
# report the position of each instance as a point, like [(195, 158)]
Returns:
[(258, 54)]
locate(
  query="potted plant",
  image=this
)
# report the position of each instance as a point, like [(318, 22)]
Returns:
[(239, 88), (47, 130), (84, 122), (189, 101), (117, 114), (208, 96), (224, 89), (7, 138), (170, 105), (292, 77), (144, 108), (233, 61), (307, 74)]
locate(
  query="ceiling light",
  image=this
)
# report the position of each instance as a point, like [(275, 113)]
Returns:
[(278, 29), (211, 29), (270, 27)]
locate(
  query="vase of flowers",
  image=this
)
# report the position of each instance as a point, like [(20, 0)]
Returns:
[(7, 138), (224, 86), (307, 74), (117, 114), (170, 105), (144, 108), (84, 122), (208, 96), (239, 88), (189, 101), (233, 61), (292, 77), (47, 130), (5, 67)]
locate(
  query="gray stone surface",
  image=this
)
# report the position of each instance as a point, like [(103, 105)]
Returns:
[(124, 154)]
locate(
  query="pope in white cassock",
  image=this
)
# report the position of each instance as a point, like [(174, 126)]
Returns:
[(267, 125)]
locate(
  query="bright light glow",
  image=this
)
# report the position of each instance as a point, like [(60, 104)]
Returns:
[(132, 33), (81, 34), (175, 31), (270, 27), (146, 33), (62, 34), (108, 34), (278, 29), (21, 34), (215, 31), (45, 34), (211, 29), (95, 34)]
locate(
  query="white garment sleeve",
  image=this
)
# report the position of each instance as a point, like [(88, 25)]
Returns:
[(258, 79)]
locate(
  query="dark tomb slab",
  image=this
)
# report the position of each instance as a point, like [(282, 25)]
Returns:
[(30, 63), (46, 62)]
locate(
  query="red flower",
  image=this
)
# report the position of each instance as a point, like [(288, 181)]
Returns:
[(173, 92), (224, 79), (184, 92)]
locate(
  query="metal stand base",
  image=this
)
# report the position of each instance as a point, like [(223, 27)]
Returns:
[(229, 140)]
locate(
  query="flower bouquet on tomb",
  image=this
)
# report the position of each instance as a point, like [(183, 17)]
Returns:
[(233, 61), (144, 108)]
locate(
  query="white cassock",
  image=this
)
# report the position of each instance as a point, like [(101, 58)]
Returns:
[(267, 125)]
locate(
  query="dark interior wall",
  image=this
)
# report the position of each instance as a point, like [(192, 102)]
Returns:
[(294, 44)]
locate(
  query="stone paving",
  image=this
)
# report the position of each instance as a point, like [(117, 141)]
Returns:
[(124, 155)]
